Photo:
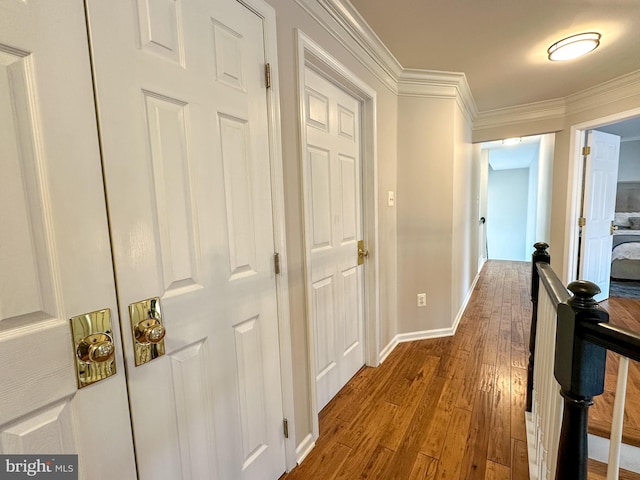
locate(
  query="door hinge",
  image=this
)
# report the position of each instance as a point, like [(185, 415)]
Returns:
[(285, 426), (582, 221), (276, 263), (586, 150), (267, 75)]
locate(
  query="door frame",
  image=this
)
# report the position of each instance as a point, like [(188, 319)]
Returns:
[(310, 54), (574, 192), (268, 15)]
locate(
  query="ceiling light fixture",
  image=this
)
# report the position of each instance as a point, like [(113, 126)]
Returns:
[(574, 46), (512, 141)]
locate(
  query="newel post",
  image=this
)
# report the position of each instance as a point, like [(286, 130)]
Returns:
[(579, 369), (540, 255)]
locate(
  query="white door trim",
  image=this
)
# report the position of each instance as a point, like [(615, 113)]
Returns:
[(268, 15), (574, 196), (312, 55)]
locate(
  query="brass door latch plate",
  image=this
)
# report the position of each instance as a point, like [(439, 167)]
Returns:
[(93, 346)]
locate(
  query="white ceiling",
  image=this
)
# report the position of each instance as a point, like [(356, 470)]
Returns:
[(500, 45), (517, 156)]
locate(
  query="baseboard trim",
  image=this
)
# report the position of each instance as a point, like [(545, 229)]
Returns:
[(388, 349), (465, 304), (435, 333), (413, 336), (304, 448)]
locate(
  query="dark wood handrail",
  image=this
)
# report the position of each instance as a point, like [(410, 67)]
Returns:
[(621, 340), (552, 284)]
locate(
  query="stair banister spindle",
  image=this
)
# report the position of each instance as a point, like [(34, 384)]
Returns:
[(539, 255), (579, 368)]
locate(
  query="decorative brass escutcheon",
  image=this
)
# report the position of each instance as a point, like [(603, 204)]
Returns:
[(147, 329), (93, 346), (362, 252)]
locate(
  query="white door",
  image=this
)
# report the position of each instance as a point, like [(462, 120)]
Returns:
[(332, 171), (55, 260), (183, 113), (600, 184)]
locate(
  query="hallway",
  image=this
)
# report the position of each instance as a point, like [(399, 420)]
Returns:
[(446, 409)]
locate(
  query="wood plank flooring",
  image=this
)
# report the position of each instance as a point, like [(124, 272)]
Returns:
[(446, 409), (598, 471), (453, 408)]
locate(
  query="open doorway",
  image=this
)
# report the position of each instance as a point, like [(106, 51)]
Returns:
[(614, 265), (515, 201), (627, 126)]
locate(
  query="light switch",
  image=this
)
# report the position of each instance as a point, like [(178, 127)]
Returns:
[(391, 198)]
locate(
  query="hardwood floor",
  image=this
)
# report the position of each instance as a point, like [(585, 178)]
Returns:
[(442, 409), (453, 408), (626, 313)]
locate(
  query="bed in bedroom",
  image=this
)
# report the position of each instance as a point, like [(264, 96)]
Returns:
[(625, 256)]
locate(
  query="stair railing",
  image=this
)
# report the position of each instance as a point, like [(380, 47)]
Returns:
[(570, 336)]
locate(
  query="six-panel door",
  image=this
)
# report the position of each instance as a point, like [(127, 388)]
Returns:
[(55, 258), (183, 116), (334, 226)]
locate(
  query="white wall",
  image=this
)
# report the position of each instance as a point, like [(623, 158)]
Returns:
[(437, 224), (534, 153), (465, 227), (507, 213), (629, 166), (532, 207), (425, 212), (545, 184)]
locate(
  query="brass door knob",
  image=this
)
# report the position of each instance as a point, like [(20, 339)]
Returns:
[(362, 252), (149, 331), (613, 228), (95, 348)]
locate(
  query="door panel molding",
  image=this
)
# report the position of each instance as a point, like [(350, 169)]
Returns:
[(55, 260), (212, 113), (312, 55)]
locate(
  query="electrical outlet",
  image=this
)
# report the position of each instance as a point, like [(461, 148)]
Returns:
[(422, 299)]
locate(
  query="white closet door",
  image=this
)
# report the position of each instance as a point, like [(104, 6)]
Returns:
[(184, 121), (55, 259)]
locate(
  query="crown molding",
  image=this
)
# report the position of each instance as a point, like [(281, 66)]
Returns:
[(338, 27), (614, 90), (350, 19), (345, 23), (529, 112), (619, 88), (340, 19), (436, 84)]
